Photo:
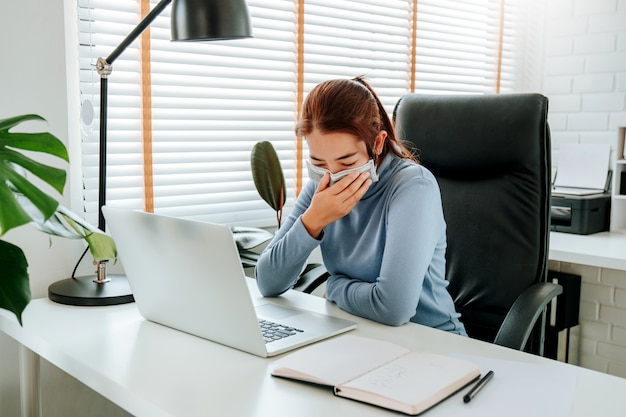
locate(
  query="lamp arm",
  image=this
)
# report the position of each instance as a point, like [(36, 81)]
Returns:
[(102, 157), (104, 68), (138, 30)]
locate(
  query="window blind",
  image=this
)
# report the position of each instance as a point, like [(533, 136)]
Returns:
[(212, 101), (343, 39), (461, 46)]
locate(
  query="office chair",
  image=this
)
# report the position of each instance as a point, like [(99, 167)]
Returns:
[(491, 157)]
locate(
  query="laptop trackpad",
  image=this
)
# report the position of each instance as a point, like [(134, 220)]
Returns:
[(272, 311)]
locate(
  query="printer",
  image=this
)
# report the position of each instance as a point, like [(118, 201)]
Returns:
[(581, 201), (580, 214)]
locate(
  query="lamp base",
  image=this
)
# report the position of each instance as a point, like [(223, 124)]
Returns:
[(82, 291)]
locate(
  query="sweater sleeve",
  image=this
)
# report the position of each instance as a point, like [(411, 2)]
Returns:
[(282, 260), (414, 228)]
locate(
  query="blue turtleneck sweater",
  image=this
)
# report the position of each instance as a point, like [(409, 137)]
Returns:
[(386, 258)]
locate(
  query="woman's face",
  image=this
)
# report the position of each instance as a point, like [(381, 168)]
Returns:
[(336, 151)]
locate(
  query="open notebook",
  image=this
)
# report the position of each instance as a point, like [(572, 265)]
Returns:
[(379, 372), (583, 169), (187, 275)]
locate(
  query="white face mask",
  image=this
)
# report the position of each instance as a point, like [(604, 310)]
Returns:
[(316, 173)]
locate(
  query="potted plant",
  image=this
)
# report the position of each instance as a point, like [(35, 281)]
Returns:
[(269, 181), (22, 202), (268, 177)]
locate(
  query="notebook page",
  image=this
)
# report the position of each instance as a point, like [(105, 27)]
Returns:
[(583, 166), (337, 360), (417, 380)]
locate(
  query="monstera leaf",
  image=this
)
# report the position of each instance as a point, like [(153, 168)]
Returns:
[(14, 288), (12, 178), (268, 177), (22, 202)]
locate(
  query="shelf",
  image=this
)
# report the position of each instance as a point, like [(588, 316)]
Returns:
[(621, 132), (618, 200), (602, 250)]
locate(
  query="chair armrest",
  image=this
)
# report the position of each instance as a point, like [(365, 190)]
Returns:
[(312, 277), (249, 237), (521, 318), (248, 258)]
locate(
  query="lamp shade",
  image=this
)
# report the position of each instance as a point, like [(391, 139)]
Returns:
[(198, 20)]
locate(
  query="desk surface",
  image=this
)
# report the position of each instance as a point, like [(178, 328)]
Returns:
[(604, 250), (151, 370)]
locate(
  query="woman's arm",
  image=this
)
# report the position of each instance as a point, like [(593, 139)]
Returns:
[(318, 205), (282, 261), (414, 228)]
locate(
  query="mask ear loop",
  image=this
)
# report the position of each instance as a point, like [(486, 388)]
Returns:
[(375, 153), (374, 156)]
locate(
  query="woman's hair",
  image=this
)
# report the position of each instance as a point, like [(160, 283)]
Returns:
[(350, 106)]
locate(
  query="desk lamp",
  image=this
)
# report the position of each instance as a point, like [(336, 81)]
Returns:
[(192, 20)]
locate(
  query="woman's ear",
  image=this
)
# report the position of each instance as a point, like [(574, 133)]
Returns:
[(379, 143)]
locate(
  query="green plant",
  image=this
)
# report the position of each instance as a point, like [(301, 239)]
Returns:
[(268, 177), (22, 202), (270, 183)]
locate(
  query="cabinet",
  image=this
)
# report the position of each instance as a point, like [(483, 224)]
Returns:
[(618, 189)]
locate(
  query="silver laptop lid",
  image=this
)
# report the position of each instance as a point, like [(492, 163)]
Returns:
[(187, 275)]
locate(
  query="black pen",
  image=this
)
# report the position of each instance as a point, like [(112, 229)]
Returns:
[(481, 383)]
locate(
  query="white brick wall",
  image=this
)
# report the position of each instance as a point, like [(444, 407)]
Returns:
[(599, 342), (585, 70), (584, 77)]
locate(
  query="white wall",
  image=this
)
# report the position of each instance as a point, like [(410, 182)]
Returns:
[(33, 79), (585, 79)]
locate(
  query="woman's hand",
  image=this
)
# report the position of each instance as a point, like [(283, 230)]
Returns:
[(330, 203)]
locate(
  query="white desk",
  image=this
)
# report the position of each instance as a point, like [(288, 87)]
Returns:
[(603, 250), (151, 370)]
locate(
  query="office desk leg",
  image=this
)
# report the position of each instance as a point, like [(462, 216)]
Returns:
[(29, 383)]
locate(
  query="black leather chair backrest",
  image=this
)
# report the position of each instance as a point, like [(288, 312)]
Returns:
[(491, 157)]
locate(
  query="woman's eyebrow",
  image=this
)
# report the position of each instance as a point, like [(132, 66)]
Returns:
[(341, 158), (350, 155)]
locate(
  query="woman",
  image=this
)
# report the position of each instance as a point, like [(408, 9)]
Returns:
[(375, 213)]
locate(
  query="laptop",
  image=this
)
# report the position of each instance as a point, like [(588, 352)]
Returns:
[(187, 275)]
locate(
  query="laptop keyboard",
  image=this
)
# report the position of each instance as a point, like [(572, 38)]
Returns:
[(273, 331)]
